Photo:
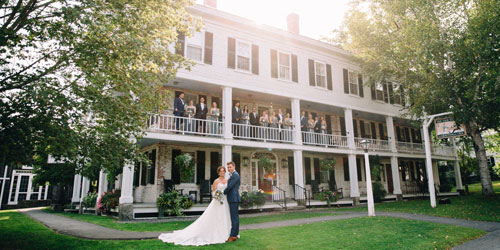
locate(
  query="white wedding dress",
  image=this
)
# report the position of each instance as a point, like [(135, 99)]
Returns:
[(212, 227)]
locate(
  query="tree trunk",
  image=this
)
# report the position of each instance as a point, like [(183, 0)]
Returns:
[(480, 151)]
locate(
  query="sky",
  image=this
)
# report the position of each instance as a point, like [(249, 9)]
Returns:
[(317, 17)]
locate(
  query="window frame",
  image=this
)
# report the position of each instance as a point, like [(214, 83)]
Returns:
[(351, 82), (279, 52), (188, 43), (316, 62), (236, 54), (379, 90)]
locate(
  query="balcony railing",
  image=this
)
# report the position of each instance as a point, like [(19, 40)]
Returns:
[(184, 125), (375, 144), (443, 150), (327, 140), (261, 133), (410, 147)]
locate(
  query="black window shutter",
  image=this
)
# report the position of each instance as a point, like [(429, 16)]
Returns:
[(200, 166), (403, 170), (419, 136), (391, 92), (329, 76), (374, 130), (374, 94), (358, 166), (362, 128), (413, 134), (295, 71), (152, 168), (214, 164), (137, 167), (398, 133), (328, 124), (312, 75), (407, 134), (381, 130), (316, 171), (179, 47), (255, 59), (231, 53), (346, 169), (237, 160), (274, 63), (346, 81), (176, 177), (342, 126), (144, 172), (360, 85), (307, 164), (209, 43), (355, 127), (291, 171), (386, 95)]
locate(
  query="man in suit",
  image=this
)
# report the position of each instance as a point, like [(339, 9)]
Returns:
[(317, 128), (236, 118), (179, 109), (201, 113), (281, 119), (303, 121), (233, 198), (254, 121)]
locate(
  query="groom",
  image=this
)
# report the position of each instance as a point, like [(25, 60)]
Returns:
[(233, 198)]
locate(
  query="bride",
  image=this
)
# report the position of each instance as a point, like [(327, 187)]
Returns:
[(212, 227)]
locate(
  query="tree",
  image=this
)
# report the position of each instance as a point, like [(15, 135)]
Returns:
[(443, 53), (79, 78)]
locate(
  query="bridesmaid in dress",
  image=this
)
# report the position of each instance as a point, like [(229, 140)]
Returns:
[(190, 111), (273, 125), (263, 121), (310, 128), (214, 119), (245, 120), (287, 126)]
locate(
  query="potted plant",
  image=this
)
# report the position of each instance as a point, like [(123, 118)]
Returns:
[(185, 163), (326, 195), (266, 163), (327, 164), (171, 203)]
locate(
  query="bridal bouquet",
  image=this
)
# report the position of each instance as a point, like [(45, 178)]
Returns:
[(219, 195)]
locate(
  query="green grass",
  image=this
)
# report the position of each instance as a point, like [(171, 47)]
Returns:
[(176, 225), (21, 232), (470, 207)]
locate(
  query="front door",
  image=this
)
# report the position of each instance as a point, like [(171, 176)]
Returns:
[(263, 179), (390, 185)]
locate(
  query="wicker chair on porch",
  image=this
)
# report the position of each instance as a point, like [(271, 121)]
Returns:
[(332, 185), (315, 187), (205, 190)]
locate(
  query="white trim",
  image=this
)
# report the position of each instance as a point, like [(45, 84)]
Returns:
[(289, 66), (239, 40)]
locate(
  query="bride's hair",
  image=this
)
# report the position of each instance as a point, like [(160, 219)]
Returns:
[(219, 169)]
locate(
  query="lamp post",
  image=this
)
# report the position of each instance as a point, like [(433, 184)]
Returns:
[(369, 192)]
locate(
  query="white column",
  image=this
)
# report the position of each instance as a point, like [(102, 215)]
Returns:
[(11, 186), (458, 175), (353, 175), (77, 185), (46, 191), (85, 188), (40, 188), (428, 164), (395, 175), (102, 183), (297, 134), (369, 191), (298, 168), (127, 184), (350, 130), (226, 155), (30, 185), (227, 101), (390, 133)]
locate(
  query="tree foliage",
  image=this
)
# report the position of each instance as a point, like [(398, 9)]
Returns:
[(444, 53), (79, 78)]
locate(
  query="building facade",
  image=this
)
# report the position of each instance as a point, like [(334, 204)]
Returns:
[(273, 70)]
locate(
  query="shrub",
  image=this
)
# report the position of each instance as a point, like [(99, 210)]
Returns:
[(251, 199), (90, 200), (326, 195), (108, 201), (172, 202), (378, 191), (185, 163)]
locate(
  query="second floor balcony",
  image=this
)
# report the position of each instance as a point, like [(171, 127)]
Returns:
[(213, 126)]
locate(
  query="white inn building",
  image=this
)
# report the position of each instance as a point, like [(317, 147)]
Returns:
[(270, 69)]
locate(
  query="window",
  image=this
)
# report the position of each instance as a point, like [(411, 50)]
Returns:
[(324, 177), (379, 92), (396, 94), (320, 72), (194, 47), (284, 66), (353, 83), (243, 56)]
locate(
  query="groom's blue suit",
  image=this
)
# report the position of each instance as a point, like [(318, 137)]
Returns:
[(233, 198)]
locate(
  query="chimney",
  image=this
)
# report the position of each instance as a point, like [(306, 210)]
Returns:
[(210, 3), (293, 23)]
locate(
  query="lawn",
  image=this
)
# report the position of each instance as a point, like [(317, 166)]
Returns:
[(21, 232), (470, 207), (175, 225)]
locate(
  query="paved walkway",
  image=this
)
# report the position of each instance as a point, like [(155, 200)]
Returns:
[(86, 230)]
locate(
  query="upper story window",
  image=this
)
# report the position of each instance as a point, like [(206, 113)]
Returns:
[(242, 55), (194, 47), (199, 47), (320, 70), (284, 66), (320, 74), (379, 92), (353, 83), (395, 96)]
